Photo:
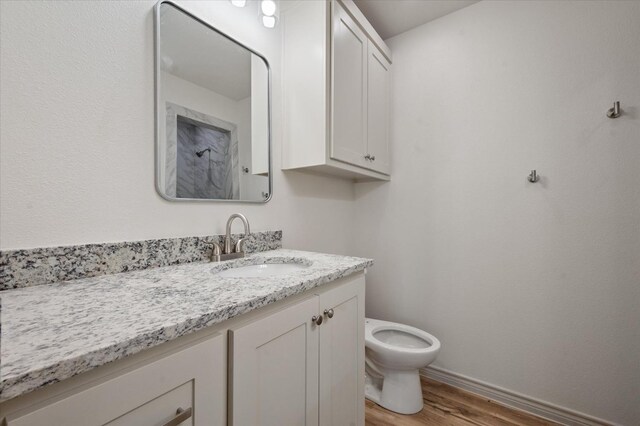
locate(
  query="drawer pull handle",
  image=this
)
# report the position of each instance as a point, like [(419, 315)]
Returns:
[(329, 313), (181, 416), (316, 319)]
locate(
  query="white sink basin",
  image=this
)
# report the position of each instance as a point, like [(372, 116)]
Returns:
[(262, 270)]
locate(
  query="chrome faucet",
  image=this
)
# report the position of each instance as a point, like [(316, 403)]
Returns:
[(226, 252), (238, 250)]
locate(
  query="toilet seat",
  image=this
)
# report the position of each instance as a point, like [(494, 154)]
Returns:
[(400, 338), (398, 343)]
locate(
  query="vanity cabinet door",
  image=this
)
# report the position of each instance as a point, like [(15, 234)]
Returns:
[(342, 354), (192, 380), (378, 88), (273, 364), (349, 142)]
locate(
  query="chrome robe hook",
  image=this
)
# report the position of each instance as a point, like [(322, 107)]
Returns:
[(615, 111)]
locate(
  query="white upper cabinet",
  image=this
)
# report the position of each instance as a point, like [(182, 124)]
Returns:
[(336, 92), (378, 110), (349, 142)]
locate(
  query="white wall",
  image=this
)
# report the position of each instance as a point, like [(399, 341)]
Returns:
[(531, 287), (77, 133)]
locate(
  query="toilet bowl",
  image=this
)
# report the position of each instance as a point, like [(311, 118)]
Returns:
[(394, 354)]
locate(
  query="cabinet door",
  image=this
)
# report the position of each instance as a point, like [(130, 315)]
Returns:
[(378, 88), (349, 78), (342, 355), (192, 380), (274, 369)]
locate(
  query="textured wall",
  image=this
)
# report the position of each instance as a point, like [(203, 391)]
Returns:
[(77, 133), (531, 287)]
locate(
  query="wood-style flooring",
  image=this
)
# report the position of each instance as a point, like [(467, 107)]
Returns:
[(445, 405)]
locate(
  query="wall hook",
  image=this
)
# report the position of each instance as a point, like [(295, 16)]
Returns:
[(614, 112), (533, 176)]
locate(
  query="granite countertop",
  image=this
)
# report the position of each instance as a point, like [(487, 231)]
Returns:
[(56, 331)]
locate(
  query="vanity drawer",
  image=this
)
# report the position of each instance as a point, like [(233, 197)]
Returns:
[(192, 380), (160, 411)]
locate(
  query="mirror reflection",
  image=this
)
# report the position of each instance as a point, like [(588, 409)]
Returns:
[(212, 113)]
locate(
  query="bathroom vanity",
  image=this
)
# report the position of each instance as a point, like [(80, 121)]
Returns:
[(190, 346), (275, 338)]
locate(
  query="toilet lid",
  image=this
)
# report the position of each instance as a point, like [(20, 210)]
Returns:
[(400, 339)]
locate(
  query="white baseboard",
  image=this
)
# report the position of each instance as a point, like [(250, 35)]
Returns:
[(512, 399)]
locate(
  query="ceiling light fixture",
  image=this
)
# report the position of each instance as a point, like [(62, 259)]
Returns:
[(269, 21), (239, 3), (269, 9)]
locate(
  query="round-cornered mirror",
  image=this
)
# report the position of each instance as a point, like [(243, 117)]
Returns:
[(212, 113)]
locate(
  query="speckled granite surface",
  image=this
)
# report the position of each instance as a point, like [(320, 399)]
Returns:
[(25, 268), (53, 332)]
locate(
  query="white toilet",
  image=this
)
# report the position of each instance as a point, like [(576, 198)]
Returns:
[(394, 354)]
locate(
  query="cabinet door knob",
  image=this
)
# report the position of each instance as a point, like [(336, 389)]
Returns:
[(328, 313), (367, 157), (181, 416), (373, 158), (317, 319)]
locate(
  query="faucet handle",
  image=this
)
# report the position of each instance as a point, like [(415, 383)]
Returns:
[(215, 249), (240, 245)]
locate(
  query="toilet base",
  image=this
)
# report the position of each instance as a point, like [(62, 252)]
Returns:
[(400, 391)]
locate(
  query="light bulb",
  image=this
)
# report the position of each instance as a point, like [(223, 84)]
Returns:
[(268, 7), (239, 3), (269, 21)]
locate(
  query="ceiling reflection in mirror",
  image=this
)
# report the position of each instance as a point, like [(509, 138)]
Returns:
[(212, 94)]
